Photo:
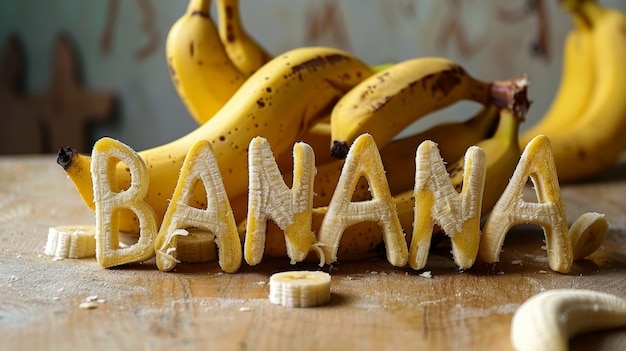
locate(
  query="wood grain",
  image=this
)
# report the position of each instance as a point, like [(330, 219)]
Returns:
[(374, 306)]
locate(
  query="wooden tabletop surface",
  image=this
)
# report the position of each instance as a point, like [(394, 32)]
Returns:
[(374, 306)]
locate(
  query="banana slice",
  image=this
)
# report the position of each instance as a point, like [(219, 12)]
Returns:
[(300, 288), (587, 233), (71, 241), (196, 246)]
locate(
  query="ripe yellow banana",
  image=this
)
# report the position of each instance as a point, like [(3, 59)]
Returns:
[(244, 51), (202, 72), (596, 140), (577, 80), (391, 99), (279, 102), (453, 139)]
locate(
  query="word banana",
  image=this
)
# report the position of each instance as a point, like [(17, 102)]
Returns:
[(292, 208)]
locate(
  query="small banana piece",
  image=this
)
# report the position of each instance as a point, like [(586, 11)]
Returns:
[(300, 288), (587, 233), (577, 80), (244, 51), (201, 71), (389, 100), (195, 245), (547, 320), (279, 102), (71, 241)]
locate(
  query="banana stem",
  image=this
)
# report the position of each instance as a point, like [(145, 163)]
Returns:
[(202, 7), (512, 95), (584, 12)]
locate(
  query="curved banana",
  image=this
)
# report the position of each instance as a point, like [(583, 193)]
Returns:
[(547, 320), (596, 140), (245, 52), (390, 100), (364, 240), (202, 72), (453, 139), (279, 102), (577, 80)]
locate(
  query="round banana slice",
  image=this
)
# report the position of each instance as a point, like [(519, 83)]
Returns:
[(300, 288), (71, 241), (587, 234)]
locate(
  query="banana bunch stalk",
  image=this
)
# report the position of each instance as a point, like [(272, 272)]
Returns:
[(587, 120)]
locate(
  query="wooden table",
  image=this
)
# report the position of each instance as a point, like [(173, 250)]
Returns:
[(374, 306)]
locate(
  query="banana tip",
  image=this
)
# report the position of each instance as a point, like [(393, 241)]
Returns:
[(339, 149), (64, 156)]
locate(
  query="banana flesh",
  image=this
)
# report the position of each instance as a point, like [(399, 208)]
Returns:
[(270, 198), (110, 202), (300, 288), (363, 161), (72, 241), (195, 245), (200, 166), (547, 320), (587, 233)]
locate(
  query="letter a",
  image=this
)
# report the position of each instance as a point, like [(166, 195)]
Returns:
[(200, 165), (363, 160), (536, 162)]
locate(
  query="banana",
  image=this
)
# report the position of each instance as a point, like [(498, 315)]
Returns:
[(300, 288), (278, 102), (74, 241), (391, 99), (453, 139), (201, 71), (547, 320), (577, 80), (244, 51), (596, 140)]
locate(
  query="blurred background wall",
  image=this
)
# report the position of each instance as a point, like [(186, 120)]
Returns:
[(124, 90)]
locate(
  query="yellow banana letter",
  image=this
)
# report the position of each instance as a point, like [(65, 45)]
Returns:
[(270, 198), (363, 160), (110, 201), (536, 162), (437, 201), (200, 165)]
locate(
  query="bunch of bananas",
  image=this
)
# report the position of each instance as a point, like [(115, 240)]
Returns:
[(586, 121), (327, 98)]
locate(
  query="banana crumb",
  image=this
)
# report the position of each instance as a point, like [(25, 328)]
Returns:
[(426, 274)]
